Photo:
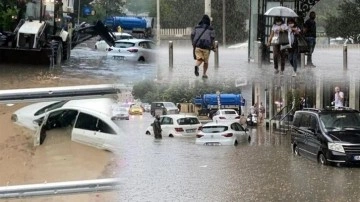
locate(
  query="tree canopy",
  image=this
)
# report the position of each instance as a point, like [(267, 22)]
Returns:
[(345, 24)]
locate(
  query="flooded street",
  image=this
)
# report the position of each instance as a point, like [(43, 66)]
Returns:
[(174, 169)]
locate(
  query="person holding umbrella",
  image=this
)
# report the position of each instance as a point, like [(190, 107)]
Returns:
[(278, 54)]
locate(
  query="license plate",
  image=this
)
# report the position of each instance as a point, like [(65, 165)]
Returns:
[(190, 130), (118, 57), (356, 158), (212, 143)]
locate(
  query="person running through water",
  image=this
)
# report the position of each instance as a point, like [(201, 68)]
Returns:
[(202, 37)]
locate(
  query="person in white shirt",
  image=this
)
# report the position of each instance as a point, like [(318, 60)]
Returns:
[(338, 98)]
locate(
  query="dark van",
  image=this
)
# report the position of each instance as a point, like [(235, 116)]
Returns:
[(329, 136), (163, 108)]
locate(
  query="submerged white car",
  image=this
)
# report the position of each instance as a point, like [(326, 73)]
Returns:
[(89, 121), (222, 133), (103, 46), (177, 125), (226, 115), (133, 50)]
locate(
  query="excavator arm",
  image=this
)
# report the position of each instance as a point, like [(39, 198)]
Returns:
[(83, 33)]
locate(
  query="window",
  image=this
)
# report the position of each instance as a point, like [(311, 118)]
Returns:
[(214, 129), (187, 121), (230, 112), (86, 122), (105, 128), (234, 127), (305, 121), (124, 44), (167, 121), (50, 107)]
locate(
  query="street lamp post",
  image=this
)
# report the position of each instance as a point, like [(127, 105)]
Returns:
[(158, 22), (78, 13)]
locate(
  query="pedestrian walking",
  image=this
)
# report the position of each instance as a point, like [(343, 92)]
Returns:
[(178, 105), (302, 103), (157, 127), (278, 54), (294, 31), (338, 98), (310, 36), (202, 37), (261, 112)]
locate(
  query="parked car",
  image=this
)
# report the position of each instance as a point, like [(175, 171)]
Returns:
[(89, 120), (136, 110), (328, 136), (177, 125), (222, 133), (147, 107), (119, 112), (133, 50), (103, 46), (225, 115), (163, 108)]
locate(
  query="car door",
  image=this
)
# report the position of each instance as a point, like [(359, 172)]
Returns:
[(85, 130), (242, 132), (305, 134), (236, 131), (313, 142), (166, 125), (106, 136)]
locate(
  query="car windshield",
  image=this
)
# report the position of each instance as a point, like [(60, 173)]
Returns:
[(169, 104), (214, 129), (340, 121), (188, 121), (55, 105), (122, 44)]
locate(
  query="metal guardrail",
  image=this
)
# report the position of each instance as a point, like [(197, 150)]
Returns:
[(57, 188), (56, 93)]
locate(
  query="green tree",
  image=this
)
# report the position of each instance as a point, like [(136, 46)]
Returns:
[(344, 25), (140, 6), (8, 11)]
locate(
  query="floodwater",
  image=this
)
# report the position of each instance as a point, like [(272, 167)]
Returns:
[(175, 169)]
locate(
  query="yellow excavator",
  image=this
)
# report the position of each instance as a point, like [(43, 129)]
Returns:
[(44, 33)]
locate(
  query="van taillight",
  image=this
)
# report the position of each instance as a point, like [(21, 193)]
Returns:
[(228, 135), (199, 136), (179, 130)]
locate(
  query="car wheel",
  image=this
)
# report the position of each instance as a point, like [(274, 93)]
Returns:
[(322, 160), (296, 150), (249, 139), (148, 133), (236, 143), (171, 135)]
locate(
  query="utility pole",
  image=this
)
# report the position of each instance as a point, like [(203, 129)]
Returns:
[(223, 22), (79, 13), (158, 22), (208, 8)]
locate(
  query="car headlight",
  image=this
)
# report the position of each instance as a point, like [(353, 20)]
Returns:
[(336, 147)]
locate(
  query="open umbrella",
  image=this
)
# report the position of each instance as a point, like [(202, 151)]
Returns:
[(281, 11)]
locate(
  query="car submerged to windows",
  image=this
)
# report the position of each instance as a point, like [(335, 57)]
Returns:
[(103, 46), (89, 121), (180, 125), (133, 50), (222, 133), (329, 136)]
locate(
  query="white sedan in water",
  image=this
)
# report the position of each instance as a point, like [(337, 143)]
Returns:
[(225, 115), (89, 121), (133, 50), (177, 125), (222, 133)]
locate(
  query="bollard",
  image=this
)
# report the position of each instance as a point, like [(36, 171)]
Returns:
[(345, 57), (171, 54), (216, 48)]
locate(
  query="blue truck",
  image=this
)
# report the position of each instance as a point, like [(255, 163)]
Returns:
[(208, 103), (131, 24)]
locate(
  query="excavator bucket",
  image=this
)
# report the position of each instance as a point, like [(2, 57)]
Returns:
[(25, 56), (104, 33)]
